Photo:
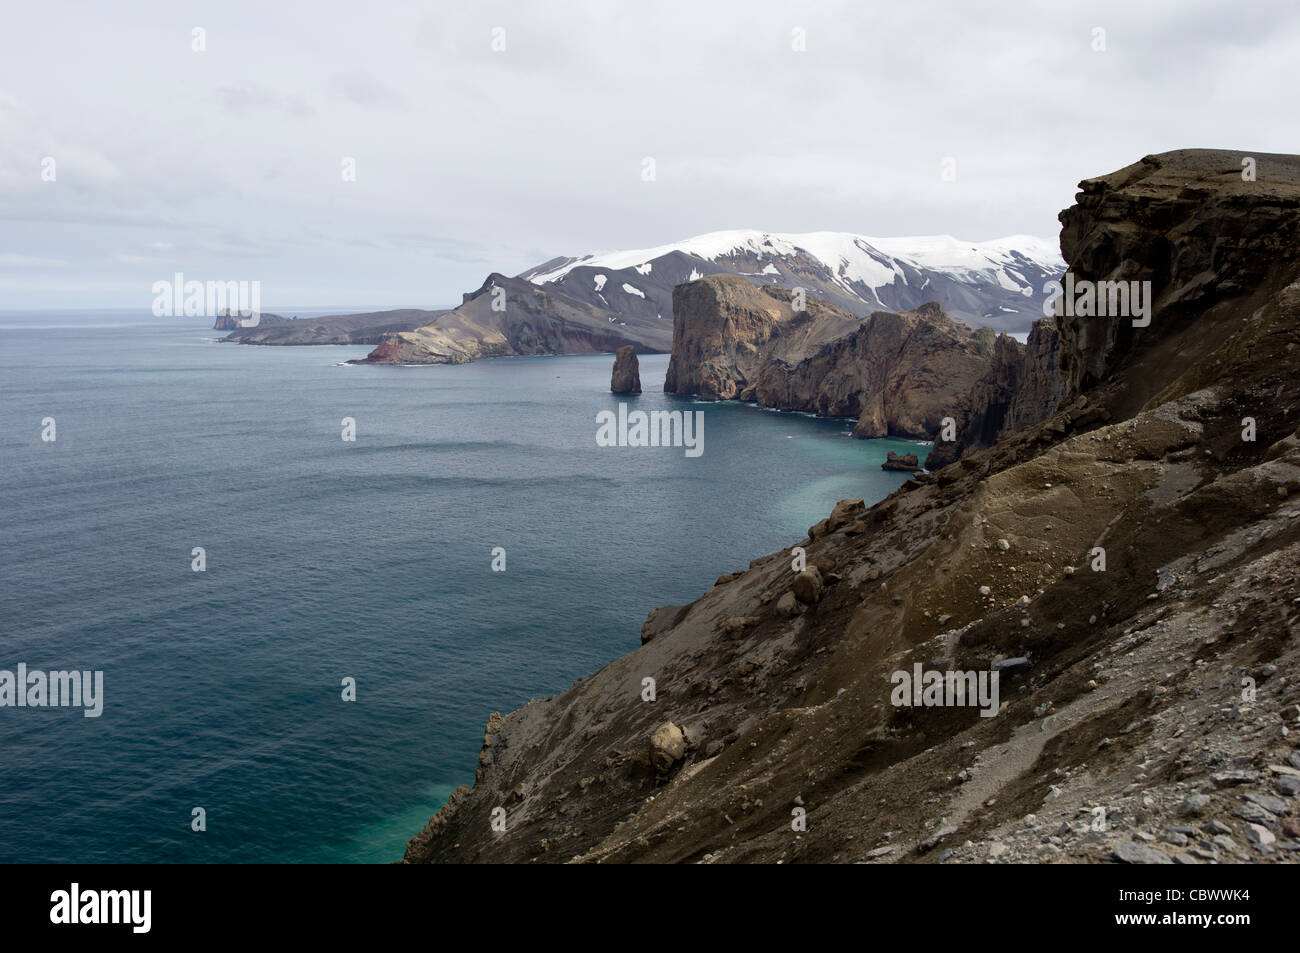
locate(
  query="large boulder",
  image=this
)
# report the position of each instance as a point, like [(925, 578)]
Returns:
[(626, 378), (667, 746)]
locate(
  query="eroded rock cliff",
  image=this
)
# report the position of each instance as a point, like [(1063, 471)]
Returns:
[(896, 374), (1022, 387), (1123, 564)]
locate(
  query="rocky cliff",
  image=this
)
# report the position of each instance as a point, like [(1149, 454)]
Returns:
[(1022, 387), (1126, 566), (896, 374), (509, 317)]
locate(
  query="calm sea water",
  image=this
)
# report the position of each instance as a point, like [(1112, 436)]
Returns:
[(327, 560)]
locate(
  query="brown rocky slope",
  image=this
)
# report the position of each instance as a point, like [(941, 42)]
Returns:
[(1150, 709)]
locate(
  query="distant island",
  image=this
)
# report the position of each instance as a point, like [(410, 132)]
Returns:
[(370, 328)]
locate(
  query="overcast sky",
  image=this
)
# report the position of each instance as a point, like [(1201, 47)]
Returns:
[(227, 164)]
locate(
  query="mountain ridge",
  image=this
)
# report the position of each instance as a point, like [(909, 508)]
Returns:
[(997, 282)]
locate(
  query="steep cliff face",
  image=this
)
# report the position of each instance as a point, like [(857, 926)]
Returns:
[(509, 317), (1022, 387), (898, 374), (1122, 568), (1192, 225), (1040, 390)]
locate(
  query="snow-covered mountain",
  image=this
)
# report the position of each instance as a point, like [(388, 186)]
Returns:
[(998, 283)]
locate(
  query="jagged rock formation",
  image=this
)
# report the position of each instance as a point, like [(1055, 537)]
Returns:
[(1211, 237), (509, 317), (906, 463), (626, 378), (1126, 566), (1022, 387), (898, 374)]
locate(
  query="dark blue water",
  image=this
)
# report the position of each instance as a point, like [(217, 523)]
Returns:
[(326, 560)]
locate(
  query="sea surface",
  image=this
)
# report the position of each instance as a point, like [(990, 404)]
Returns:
[(328, 560)]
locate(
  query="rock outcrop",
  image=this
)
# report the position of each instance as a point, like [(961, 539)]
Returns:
[(509, 317), (1124, 566), (1211, 237), (895, 374), (626, 378), (906, 463), (229, 321), (1022, 387)]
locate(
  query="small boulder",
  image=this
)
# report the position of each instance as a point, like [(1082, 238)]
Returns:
[(1134, 853), (788, 604), (736, 625), (808, 586), (1193, 804)]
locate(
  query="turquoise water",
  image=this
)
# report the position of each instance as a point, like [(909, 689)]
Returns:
[(327, 560)]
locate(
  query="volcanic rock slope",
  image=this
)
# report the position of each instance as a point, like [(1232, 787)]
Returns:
[(1150, 710)]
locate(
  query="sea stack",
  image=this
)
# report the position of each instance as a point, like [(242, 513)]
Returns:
[(626, 378)]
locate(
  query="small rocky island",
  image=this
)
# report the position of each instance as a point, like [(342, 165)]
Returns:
[(626, 378), (908, 462)]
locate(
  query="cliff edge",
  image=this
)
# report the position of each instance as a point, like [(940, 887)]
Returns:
[(1125, 565)]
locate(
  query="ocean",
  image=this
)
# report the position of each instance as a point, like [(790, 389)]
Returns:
[(328, 560)]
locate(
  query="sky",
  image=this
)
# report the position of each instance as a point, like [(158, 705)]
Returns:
[(492, 136)]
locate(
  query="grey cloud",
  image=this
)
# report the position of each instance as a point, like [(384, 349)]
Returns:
[(470, 160)]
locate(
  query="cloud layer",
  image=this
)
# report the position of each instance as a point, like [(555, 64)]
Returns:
[(228, 163)]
